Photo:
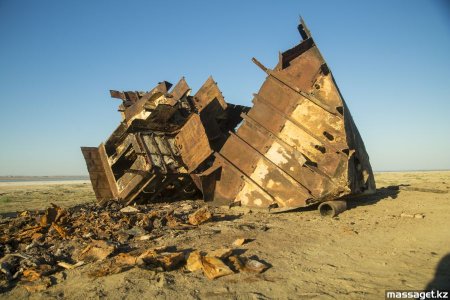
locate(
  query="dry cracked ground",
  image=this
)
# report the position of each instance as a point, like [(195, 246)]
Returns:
[(396, 239)]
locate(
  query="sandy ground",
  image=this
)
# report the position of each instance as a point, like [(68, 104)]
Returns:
[(359, 254), (5, 185), (37, 195)]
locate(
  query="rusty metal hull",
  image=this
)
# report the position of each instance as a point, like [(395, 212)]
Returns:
[(165, 139), (298, 145)]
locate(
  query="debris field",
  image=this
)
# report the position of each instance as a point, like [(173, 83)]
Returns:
[(112, 238)]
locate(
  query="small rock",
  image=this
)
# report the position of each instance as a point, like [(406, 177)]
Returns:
[(240, 242), (254, 266), (416, 216), (129, 210), (403, 215)]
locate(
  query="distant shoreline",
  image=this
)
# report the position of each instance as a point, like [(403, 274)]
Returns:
[(25, 183), (41, 178)]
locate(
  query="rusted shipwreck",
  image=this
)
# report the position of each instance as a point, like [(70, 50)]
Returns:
[(296, 146)]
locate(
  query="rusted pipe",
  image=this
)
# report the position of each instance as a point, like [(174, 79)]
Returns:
[(332, 208)]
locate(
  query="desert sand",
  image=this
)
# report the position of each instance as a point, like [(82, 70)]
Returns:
[(396, 239)]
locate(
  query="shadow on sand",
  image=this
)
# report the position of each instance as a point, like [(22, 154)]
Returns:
[(441, 280), (352, 202), (381, 194)]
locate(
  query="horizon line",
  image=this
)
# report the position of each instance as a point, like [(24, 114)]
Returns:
[(376, 171)]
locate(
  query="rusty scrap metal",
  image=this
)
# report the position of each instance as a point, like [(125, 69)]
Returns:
[(296, 146), (104, 240), (165, 140)]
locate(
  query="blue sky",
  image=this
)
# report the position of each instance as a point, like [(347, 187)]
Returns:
[(59, 59)]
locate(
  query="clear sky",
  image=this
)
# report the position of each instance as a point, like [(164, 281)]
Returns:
[(59, 59)]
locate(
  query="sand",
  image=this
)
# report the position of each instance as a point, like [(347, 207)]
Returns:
[(5, 185), (37, 195), (363, 252)]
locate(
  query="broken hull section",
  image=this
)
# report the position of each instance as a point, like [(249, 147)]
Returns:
[(164, 142), (298, 145)]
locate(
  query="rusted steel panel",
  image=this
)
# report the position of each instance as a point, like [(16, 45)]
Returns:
[(296, 137), (274, 180), (208, 93), (315, 148), (181, 89), (100, 175), (137, 106), (161, 153), (306, 112), (298, 142), (193, 143), (284, 156), (97, 173), (239, 187)]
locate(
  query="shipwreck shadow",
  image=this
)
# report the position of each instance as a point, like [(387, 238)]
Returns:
[(441, 280), (391, 192)]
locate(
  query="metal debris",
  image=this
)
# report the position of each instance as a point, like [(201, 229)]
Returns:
[(214, 267), (129, 210), (97, 250), (104, 240), (222, 262), (70, 266), (240, 242), (200, 216), (221, 253)]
